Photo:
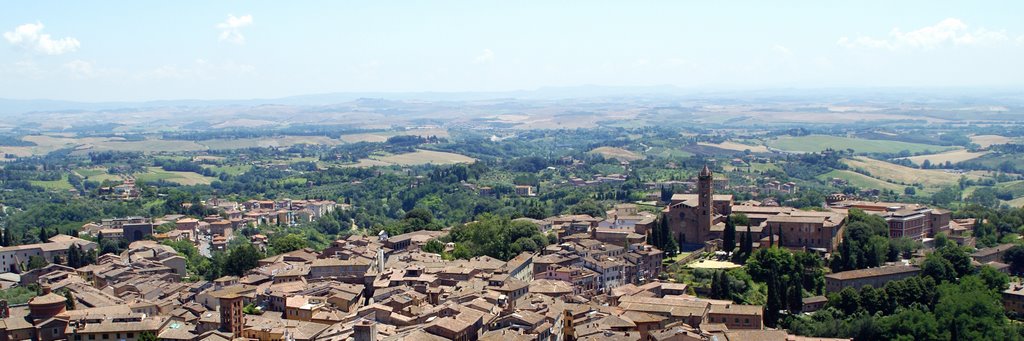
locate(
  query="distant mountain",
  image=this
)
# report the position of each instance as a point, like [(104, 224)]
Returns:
[(1009, 96)]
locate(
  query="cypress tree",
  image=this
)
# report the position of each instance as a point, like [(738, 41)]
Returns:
[(42, 235), (795, 295), (780, 236), (729, 237), (771, 309), (724, 286), (748, 246), (716, 289)]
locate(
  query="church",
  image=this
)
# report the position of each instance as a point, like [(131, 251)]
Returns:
[(697, 218)]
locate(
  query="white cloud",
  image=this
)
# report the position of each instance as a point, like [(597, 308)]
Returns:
[(782, 50), (30, 37), (231, 29), (949, 31), (485, 57), (80, 69), (200, 69)]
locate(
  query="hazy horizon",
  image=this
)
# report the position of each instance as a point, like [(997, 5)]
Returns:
[(124, 51)]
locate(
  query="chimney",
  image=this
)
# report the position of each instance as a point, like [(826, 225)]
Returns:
[(45, 290), (365, 330)]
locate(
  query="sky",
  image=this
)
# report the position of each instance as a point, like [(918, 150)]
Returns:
[(142, 50)]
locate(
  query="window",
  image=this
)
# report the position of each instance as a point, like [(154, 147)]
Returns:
[(56, 332), (106, 336), (131, 335)]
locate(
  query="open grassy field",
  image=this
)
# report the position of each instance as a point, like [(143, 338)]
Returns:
[(730, 145), (419, 157), (669, 153), (384, 135), (815, 143), (953, 156), (96, 174), (860, 180), (985, 141), (55, 185), (1016, 202), (145, 146), (616, 153), (932, 179), (47, 143), (230, 169), (184, 178), (278, 141)]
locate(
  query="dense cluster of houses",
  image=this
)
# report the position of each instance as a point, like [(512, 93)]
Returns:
[(599, 281)]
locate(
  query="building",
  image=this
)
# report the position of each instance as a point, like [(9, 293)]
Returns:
[(692, 216), (905, 220), (876, 277), (737, 316), (992, 254), (1013, 298), (231, 318), (16, 258), (525, 191)]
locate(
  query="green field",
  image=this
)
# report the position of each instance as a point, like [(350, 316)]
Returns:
[(931, 179), (860, 180), (97, 174), (229, 169), (616, 153), (668, 153), (279, 141), (54, 185), (419, 157), (815, 143), (184, 178)]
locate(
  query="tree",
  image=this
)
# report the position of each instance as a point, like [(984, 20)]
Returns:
[(433, 246), (774, 304), (74, 256), (994, 279), (240, 259), (938, 268), (795, 295), (725, 286), (847, 301), (959, 258), (910, 190), (36, 262), (69, 300), (588, 207), (43, 236), (729, 236), (812, 276), (748, 247), (147, 336), (5, 240), (910, 324), (1015, 257), (968, 310), (252, 309), (288, 243)]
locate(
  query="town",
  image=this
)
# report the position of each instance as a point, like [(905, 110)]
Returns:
[(598, 278), (527, 171)]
